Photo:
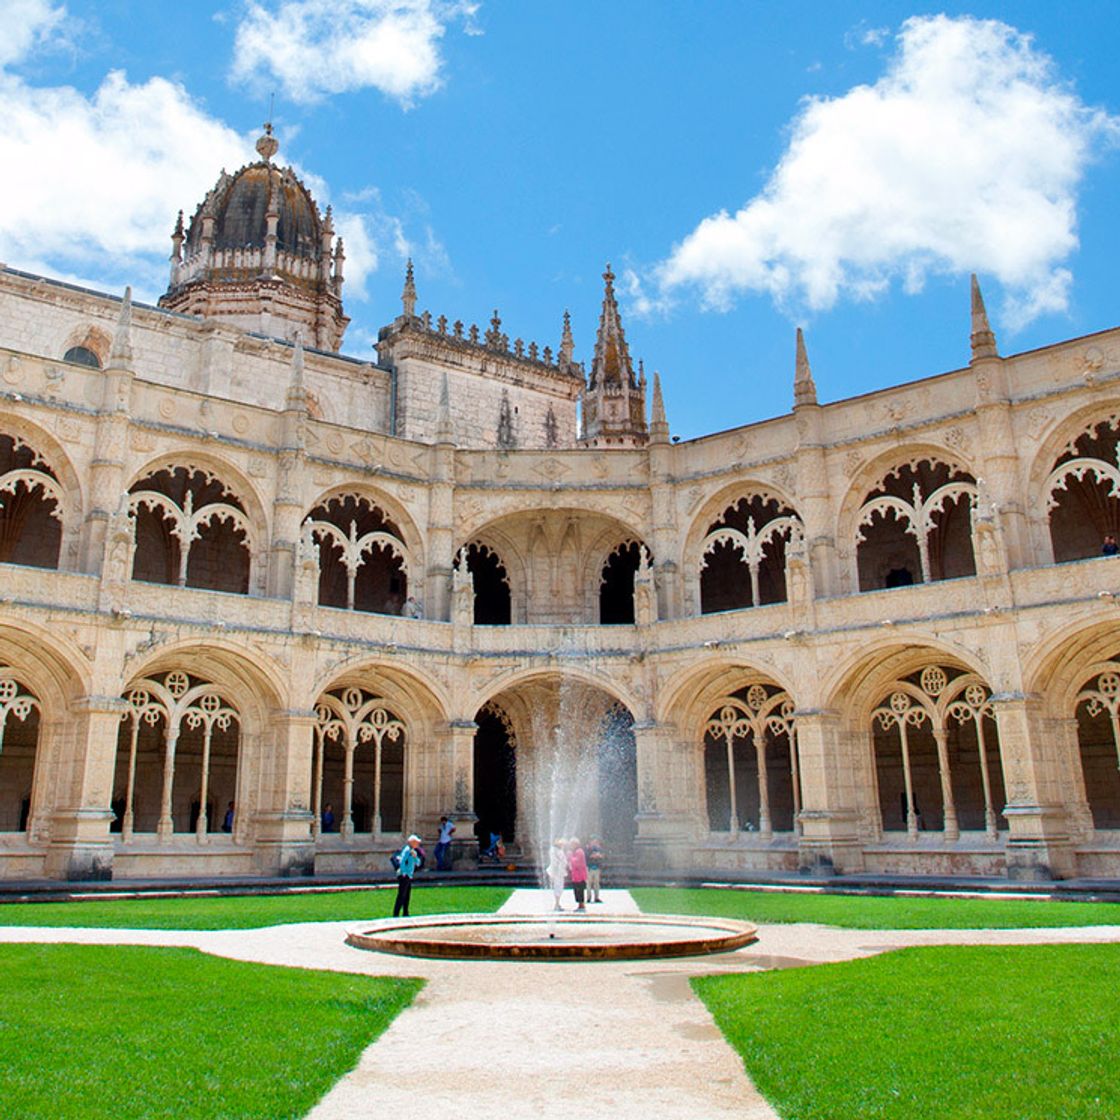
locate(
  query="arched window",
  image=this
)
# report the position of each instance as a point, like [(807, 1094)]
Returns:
[(1098, 737), (935, 739), (31, 505), (19, 742), (750, 763), (616, 584), (1083, 492), (744, 555), (83, 356), (363, 563), (191, 530), (915, 526), (177, 758), (358, 763), (492, 606)]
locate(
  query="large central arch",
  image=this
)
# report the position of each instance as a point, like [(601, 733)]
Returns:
[(555, 756)]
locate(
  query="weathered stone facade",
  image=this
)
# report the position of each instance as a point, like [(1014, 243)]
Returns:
[(872, 635)]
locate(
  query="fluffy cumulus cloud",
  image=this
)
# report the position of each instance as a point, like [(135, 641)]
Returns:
[(315, 48), (965, 156), (93, 182)]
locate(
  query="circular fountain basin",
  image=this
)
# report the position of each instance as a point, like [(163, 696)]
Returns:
[(554, 937)]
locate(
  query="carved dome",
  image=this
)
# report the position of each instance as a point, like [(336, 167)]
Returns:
[(240, 203), (258, 253)]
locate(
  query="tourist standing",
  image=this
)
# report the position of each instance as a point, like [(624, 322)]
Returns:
[(408, 860), (557, 871), (227, 822), (443, 844), (327, 824), (577, 868), (595, 858)]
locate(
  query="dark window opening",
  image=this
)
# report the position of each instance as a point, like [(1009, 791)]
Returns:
[(492, 606)]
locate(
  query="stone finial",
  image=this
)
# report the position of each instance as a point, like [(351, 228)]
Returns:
[(804, 388), (983, 340), (297, 394), (408, 294), (658, 423), (611, 362), (506, 439), (268, 145), (120, 355), (567, 343), (177, 237), (494, 334)]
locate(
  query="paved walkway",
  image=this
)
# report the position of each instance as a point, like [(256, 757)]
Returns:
[(552, 1040)]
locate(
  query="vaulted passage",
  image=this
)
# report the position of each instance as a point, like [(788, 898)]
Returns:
[(616, 586), (19, 742), (1098, 736), (495, 776), (491, 585)]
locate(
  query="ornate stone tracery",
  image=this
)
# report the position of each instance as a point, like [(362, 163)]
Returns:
[(351, 717), (32, 501), (936, 699), (175, 700), (760, 713)]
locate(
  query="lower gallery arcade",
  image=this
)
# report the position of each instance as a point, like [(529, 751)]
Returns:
[(904, 760)]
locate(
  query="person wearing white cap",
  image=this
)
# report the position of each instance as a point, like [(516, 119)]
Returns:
[(407, 862)]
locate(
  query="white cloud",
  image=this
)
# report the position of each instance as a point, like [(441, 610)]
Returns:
[(315, 48), (27, 25), (965, 156)]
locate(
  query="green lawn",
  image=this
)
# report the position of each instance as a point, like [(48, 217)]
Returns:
[(975, 1033), (249, 911), (863, 912), (98, 1031)]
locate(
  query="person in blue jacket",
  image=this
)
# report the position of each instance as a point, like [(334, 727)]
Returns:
[(408, 860)]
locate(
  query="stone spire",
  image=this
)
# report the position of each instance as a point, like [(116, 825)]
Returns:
[(445, 429), (408, 295), (567, 343), (804, 389), (611, 364), (120, 355), (614, 401), (658, 424), (983, 340)]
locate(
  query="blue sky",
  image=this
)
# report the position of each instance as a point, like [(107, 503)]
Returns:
[(865, 159)]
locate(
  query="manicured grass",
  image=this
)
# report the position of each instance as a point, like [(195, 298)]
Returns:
[(863, 912), (97, 1031), (976, 1033), (250, 911)]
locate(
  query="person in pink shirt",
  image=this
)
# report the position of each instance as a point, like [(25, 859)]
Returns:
[(577, 870)]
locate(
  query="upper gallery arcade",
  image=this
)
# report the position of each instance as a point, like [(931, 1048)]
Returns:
[(238, 566)]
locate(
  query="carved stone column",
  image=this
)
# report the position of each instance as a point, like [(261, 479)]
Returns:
[(665, 822), (830, 841), (281, 820), (1039, 844), (86, 755), (460, 757)]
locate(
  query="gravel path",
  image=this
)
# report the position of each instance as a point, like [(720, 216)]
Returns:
[(550, 1039)]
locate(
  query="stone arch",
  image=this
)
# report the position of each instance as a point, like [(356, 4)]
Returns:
[(38, 665), (41, 500), (518, 677), (740, 724), (370, 720), (928, 744), (888, 529), (1075, 481), (575, 770), (613, 560), (370, 554), (217, 699), (200, 523)]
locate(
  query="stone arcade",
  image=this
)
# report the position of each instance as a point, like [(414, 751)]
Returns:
[(875, 635)]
